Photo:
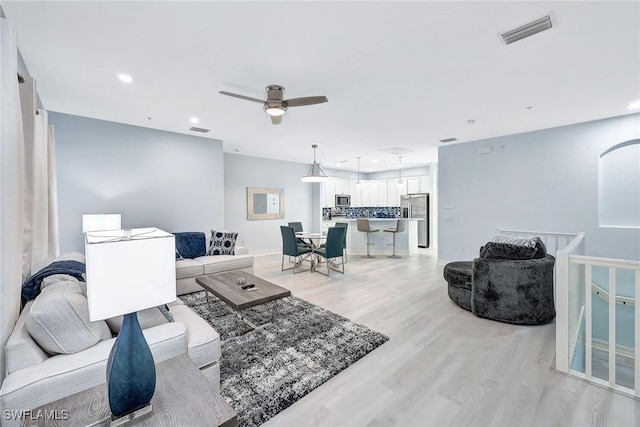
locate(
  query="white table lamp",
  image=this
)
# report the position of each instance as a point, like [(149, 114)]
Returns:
[(95, 222), (128, 271)]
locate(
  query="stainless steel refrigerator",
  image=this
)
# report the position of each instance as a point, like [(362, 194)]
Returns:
[(417, 206)]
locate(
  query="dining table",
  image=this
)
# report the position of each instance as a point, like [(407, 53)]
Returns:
[(315, 240)]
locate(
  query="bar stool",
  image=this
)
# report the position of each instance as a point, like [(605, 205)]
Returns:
[(399, 229), (363, 225)]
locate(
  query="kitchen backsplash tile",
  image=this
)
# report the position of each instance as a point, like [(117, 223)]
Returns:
[(361, 212)]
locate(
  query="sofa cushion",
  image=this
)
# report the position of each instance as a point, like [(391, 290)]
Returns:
[(203, 342), (21, 350), (55, 278), (188, 268), (59, 320), (190, 244), (222, 243), (217, 263), (147, 318)]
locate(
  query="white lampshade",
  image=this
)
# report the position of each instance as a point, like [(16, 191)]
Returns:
[(129, 270), (95, 222)]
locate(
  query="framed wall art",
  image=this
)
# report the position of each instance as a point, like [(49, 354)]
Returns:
[(265, 203)]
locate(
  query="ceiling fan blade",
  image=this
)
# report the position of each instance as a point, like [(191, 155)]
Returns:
[(235, 95), (308, 100), (276, 120)]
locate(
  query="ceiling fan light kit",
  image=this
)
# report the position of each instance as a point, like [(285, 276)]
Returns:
[(275, 105), (316, 174)]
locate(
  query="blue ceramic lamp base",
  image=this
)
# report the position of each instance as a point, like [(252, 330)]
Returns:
[(131, 373)]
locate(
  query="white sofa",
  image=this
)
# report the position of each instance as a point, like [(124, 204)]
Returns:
[(187, 270), (34, 377)]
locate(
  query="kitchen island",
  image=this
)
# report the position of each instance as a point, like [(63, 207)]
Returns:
[(406, 242)]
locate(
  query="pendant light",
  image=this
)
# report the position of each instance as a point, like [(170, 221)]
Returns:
[(400, 184), (358, 183), (316, 174)]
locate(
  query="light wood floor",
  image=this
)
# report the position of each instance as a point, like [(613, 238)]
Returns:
[(442, 365)]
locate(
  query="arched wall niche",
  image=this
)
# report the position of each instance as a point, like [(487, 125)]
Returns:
[(619, 186)]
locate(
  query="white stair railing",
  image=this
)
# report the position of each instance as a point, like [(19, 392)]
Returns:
[(574, 290), (586, 263)]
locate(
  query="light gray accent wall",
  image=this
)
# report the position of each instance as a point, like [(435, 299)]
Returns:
[(153, 178), (541, 181), (264, 236)]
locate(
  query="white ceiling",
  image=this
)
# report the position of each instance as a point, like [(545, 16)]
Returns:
[(397, 74)]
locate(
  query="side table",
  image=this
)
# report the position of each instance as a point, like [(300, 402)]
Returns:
[(183, 397)]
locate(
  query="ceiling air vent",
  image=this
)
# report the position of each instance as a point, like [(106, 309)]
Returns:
[(448, 140), (527, 30), (195, 129)]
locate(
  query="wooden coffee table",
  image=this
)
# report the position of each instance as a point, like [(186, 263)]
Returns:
[(225, 286)]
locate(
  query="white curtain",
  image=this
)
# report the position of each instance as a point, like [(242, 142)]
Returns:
[(40, 228), (29, 204), (12, 186)]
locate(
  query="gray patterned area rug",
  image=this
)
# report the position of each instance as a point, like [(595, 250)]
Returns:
[(266, 370)]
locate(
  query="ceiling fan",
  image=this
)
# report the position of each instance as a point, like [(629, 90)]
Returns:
[(275, 106)]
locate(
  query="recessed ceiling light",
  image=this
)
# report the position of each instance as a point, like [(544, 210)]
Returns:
[(125, 78), (375, 160), (194, 120), (634, 105)]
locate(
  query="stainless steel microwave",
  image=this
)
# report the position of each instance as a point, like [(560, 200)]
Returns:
[(343, 201)]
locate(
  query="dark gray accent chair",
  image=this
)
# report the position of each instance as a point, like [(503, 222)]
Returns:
[(493, 286)]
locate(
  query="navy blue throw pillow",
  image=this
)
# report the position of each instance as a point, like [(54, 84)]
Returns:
[(191, 244)]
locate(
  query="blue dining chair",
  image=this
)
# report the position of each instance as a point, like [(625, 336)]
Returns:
[(333, 250), (291, 249), (297, 228)]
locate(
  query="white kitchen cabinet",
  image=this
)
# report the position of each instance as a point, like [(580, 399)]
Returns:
[(393, 198), (366, 196), (382, 193), (373, 193), (413, 184), (329, 193), (402, 188), (425, 184), (356, 195)]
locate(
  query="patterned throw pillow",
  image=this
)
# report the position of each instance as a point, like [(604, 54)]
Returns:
[(506, 251), (222, 243), (514, 240)]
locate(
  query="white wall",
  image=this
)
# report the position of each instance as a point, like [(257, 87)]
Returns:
[(264, 236), (543, 181), (153, 178)]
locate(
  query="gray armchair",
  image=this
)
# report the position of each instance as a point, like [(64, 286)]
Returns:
[(513, 291), (506, 283)]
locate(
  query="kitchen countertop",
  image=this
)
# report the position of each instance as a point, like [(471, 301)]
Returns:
[(344, 219)]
